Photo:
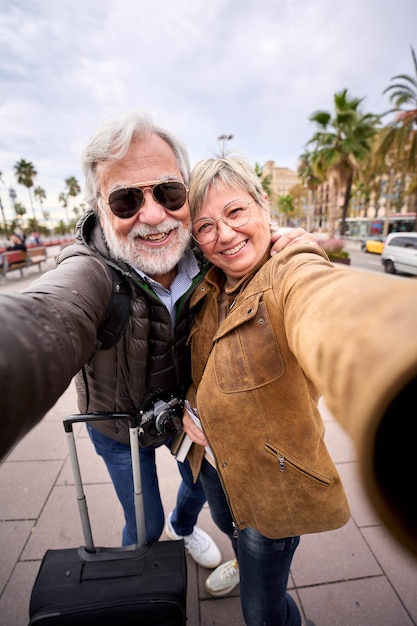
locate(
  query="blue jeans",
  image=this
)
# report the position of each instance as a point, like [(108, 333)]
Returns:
[(190, 497), (264, 564)]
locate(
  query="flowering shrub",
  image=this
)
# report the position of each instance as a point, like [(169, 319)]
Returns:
[(333, 247)]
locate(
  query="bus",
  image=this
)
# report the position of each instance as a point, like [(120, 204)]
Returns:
[(363, 227)]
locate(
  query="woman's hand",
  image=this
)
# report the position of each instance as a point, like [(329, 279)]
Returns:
[(193, 431), (286, 236)]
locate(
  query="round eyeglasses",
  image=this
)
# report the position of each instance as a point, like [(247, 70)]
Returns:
[(235, 215), (126, 202)]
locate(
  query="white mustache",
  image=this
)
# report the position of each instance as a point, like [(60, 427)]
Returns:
[(144, 230)]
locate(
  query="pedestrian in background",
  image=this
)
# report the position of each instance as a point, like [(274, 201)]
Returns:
[(16, 243)]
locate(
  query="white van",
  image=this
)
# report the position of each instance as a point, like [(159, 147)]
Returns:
[(400, 253)]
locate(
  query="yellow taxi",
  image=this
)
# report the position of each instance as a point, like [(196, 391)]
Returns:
[(374, 244)]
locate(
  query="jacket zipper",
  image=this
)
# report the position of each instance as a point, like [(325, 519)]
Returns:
[(283, 461), (234, 522)]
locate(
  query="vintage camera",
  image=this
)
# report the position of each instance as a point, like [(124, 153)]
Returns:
[(162, 420)]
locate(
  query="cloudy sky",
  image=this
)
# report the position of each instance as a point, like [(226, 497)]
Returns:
[(256, 70)]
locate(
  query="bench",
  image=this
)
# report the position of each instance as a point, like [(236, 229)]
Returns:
[(36, 256), (19, 259)]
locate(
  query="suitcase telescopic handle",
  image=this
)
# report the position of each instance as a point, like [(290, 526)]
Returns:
[(99, 417), (137, 481)]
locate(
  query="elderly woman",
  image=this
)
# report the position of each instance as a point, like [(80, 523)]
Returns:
[(271, 335)]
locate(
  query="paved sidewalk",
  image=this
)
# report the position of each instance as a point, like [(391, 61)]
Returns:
[(357, 575)]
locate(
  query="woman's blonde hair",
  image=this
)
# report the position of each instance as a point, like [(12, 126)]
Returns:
[(223, 169)]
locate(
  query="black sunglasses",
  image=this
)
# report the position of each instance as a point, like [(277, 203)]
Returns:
[(170, 194)]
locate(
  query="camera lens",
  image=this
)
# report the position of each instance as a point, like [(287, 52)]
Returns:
[(167, 422)]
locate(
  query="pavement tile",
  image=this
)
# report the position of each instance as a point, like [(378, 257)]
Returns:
[(361, 509), (397, 564), (24, 487), (333, 556), (365, 602), (14, 603), (92, 467), (45, 441), (339, 443), (13, 537), (59, 525), (221, 612)]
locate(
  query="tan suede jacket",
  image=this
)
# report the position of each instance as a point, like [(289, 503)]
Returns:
[(297, 329)]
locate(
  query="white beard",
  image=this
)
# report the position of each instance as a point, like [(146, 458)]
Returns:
[(153, 262)]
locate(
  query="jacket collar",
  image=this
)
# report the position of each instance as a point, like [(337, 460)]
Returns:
[(215, 280)]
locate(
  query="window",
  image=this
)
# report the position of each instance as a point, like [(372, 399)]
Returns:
[(404, 242)]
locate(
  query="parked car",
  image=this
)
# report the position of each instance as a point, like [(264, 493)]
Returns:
[(400, 253), (373, 244)]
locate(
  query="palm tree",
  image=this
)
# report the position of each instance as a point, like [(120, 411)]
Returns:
[(19, 210), (40, 195), (63, 199), (13, 196), (73, 187), (311, 180), (361, 194), (306, 171), (265, 179), (398, 140), (286, 206), (340, 145), (25, 173), (266, 182)]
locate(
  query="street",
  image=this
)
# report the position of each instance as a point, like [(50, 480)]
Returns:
[(365, 260), (368, 261)]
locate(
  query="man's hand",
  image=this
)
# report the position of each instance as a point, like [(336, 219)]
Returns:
[(193, 431), (286, 236)]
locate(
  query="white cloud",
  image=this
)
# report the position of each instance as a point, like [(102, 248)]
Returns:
[(255, 70)]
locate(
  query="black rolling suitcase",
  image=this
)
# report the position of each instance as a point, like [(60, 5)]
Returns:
[(143, 585)]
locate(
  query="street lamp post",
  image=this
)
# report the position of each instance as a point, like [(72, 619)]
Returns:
[(225, 137)]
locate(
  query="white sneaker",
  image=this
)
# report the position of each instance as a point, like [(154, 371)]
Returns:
[(199, 545), (224, 579)]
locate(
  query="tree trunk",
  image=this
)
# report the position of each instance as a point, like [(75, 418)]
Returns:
[(33, 209), (346, 203), (331, 224)]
